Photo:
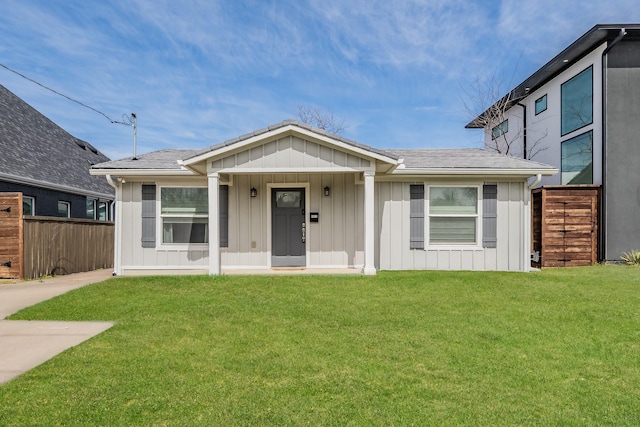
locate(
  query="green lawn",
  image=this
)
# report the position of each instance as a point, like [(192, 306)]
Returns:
[(560, 347)]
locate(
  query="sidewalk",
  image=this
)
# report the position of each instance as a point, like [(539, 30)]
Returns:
[(27, 344)]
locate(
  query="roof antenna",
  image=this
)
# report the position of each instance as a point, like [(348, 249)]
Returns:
[(131, 120)]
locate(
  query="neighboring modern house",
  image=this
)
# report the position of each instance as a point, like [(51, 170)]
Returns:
[(292, 196), (581, 113), (48, 165)]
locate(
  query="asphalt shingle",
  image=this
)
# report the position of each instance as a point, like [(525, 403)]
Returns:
[(36, 149)]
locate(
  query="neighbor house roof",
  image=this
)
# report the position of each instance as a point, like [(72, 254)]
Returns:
[(37, 152), (578, 49)]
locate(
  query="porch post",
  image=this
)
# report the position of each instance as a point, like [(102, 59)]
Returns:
[(369, 226), (214, 223)]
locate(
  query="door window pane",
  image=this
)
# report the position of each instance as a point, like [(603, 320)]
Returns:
[(288, 199)]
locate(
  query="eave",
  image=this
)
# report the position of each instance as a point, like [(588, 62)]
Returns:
[(55, 187), (142, 172)]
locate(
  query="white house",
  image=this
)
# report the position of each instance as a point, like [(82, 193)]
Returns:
[(580, 112), (292, 196)]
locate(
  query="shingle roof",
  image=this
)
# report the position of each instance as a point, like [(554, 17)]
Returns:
[(433, 158), (462, 158), (36, 151), (162, 159)]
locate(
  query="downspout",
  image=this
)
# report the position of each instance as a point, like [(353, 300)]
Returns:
[(528, 246), (116, 184), (524, 132), (603, 224)]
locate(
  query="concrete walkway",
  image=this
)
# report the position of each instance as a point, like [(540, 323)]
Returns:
[(26, 344)]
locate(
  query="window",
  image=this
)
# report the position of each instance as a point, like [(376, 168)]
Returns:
[(453, 215), (103, 212), (185, 215), (541, 104), (577, 159), (28, 205), (416, 214), (577, 102), (91, 209), (64, 209), (499, 130)]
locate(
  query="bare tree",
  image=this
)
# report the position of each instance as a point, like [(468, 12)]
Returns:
[(320, 119), (484, 101)]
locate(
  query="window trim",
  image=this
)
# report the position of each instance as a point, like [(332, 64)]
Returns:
[(562, 133), (161, 244), (478, 218), (539, 100)]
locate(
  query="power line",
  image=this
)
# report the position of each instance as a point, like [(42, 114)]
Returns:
[(64, 96)]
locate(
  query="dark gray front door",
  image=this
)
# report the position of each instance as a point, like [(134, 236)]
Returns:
[(288, 234)]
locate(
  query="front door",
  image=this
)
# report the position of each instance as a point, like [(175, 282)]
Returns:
[(288, 228)]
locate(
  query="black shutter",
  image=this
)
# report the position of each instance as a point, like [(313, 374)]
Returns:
[(416, 216), (489, 215), (148, 215), (224, 215)]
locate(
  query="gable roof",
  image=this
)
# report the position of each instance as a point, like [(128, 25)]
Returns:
[(577, 50), (37, 152), (290, 126)]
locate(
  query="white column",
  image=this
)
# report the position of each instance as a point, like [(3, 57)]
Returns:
[(369, 225), (214, 224)]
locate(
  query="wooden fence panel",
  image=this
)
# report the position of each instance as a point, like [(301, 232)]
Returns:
[(565, 225), (11, 261), (56, 246)]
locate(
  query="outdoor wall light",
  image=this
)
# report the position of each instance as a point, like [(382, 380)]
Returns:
[(254, 192), (327, 190)]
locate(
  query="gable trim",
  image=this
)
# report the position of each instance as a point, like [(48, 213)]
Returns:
[(287, 130)]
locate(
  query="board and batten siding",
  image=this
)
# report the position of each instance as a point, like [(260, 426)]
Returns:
[(337, 240), (133, 256), (393, 252)]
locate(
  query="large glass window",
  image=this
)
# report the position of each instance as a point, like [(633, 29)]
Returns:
[(577, 102), (184, 213), (577, 159), (453, 215)]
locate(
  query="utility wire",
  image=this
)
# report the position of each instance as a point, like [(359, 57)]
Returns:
[(63, 95)]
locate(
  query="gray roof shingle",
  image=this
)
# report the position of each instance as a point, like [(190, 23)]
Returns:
[(36, 150), (462, 158), (163, 159)]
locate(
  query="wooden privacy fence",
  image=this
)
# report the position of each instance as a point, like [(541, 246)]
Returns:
[(565, 225), (53, 246), (11, 265)]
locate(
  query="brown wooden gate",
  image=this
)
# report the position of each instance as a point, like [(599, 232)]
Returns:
[(11, 236), (565, 225)]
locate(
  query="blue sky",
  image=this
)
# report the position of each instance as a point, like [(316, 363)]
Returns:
[(200, 72)]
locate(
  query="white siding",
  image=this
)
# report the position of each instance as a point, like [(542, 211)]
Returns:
[(392, 224), (543, 130), (290, 152)]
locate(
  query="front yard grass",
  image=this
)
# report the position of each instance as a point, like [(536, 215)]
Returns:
[(560, 347)]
